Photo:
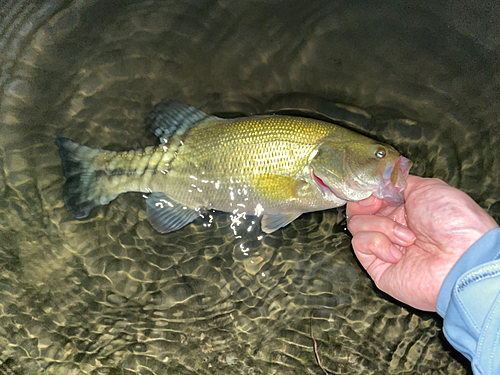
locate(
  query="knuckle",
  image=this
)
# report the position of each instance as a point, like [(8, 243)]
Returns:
[(359, 244), (371, 243), (355, 242), (353, 224), (376, 244)]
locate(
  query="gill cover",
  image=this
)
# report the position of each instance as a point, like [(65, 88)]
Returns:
[(328, 168)]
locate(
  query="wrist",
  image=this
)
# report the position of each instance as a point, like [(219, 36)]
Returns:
[(484, 250)]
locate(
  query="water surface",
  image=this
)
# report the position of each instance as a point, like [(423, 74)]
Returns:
[(109, 295)]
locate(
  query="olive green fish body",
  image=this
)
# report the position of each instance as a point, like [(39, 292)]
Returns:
[(276, 167), (242, 163)]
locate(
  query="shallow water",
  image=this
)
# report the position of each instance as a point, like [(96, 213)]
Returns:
[(109, 295)]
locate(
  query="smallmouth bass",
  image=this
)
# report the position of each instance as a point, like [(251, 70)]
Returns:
[(272, 166)]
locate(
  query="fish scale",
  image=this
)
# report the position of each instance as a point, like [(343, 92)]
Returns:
[(267, 142)]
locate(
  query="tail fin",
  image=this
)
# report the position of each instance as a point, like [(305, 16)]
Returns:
[(81, 190)]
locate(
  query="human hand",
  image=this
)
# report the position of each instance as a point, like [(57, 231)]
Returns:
[(409, 250)]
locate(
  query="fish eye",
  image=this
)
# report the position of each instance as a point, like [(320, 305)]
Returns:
[(380, 153)]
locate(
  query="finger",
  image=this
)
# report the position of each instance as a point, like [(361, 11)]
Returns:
[(369, 246), (368, 206), (373, 205), (395, 232)]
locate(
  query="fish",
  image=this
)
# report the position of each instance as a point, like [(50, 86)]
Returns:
[(275, 167)]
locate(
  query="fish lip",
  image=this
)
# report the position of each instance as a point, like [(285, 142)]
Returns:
[(394, 181)]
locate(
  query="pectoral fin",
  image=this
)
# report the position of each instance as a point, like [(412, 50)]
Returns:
[(278, 188), (166, 215), (270, 223)]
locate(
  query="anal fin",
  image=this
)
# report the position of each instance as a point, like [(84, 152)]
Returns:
[(271, 223), (166, 215)]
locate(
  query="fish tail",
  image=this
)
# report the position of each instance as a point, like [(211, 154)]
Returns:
[(82, 191)]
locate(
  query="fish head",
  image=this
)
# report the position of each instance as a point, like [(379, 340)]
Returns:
[(356, 169)]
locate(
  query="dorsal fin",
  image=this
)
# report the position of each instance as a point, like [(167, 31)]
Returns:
[(172, 117)]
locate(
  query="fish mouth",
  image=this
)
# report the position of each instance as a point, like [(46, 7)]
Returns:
[(394, 181)]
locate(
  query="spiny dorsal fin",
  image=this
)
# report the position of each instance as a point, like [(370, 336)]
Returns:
[(173, 117)]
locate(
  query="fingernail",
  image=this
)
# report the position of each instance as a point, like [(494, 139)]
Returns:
[(404, 233), (396, 252)]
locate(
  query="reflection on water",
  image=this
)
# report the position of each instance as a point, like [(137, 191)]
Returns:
[(109, 295)]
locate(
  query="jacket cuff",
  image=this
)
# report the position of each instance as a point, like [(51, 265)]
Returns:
[(484, 250)]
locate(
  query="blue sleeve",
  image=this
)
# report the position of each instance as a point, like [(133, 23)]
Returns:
[(469, 302)]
